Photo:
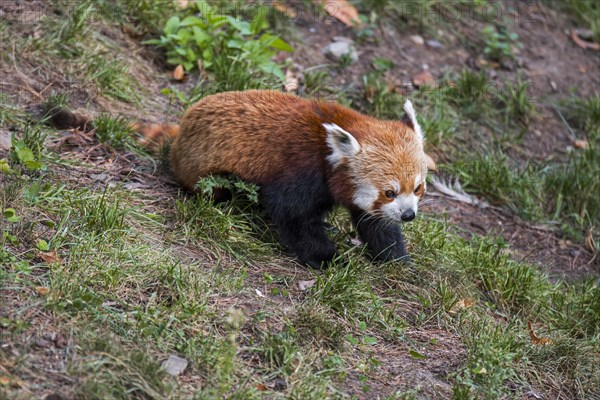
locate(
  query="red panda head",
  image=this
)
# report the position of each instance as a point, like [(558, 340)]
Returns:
[(385, 163)]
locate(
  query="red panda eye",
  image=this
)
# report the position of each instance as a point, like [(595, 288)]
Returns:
[(418, 189), (391, 194)]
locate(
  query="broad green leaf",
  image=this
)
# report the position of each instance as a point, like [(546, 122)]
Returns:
[(416, 354), (11, 215), (193, 21), (271, 68), (275, 42), (200, 36), (243, 27), (42, 245), (172, 25), (5, 167), (369, 340), (235, 44), (24, 154)]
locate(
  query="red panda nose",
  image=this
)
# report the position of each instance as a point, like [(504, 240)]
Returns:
[(408, 215)]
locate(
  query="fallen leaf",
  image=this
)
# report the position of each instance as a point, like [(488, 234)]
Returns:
[(259, 293), (43, 291), (462, 304), (49, 257), (589, 242), (582, 43), (291, 82), (60, 341), (423, 79), (174, 365), (342, 10), (179, 73), (286, 10), (262, 387), (430, 163), (580, 144), (305, 285), (540, 341), (4, 380)]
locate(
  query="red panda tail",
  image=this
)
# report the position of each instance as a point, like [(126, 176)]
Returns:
[(155, 136), (151, 136)]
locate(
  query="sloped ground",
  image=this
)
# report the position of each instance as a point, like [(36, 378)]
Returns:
[(140, 271)]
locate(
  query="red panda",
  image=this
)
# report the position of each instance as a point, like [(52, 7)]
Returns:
[(306, 156)]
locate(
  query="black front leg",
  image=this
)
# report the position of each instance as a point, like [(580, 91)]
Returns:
[(383, 238), (297, 208)]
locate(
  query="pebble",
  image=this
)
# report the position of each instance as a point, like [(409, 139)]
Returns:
[(340, 48), (418, 39), (434, 44), (174, 365)]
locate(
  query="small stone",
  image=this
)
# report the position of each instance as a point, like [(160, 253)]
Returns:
[(434, 44), (507, 65), (42, 343), (554, 86), (99, 177), (174, 365), (585, 34), (418, 39), (340, 48), (305, 285)]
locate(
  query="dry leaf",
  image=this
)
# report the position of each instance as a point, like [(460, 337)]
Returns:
[(291, 82), (580, 144), (342, 10), (259, 293), (285, 10), (179, 73), (305, 285), (582, 43), (462, 304), (262, 387), (42, 290), (423, 79), (4, 380), (430, 163), (589, 242), (540, 341), (49, 257)]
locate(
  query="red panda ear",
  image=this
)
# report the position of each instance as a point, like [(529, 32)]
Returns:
[(341, 143), (410, 119)]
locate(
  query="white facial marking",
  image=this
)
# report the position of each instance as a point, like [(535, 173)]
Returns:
[(341, 142), (401, 204), (408, 107), (417, 182), (365, 196)]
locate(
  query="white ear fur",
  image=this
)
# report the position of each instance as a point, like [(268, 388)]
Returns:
[(341, 143), (410, 111)]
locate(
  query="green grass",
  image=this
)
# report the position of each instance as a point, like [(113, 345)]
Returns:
[(135, 276), (115, 274), (584, 12)]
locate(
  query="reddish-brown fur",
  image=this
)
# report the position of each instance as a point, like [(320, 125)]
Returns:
[(264, 136)]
